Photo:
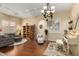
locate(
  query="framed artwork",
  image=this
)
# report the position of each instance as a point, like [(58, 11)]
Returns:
[(54, 27)]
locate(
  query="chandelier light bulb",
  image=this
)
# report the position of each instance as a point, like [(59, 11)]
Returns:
[(44, 7), (42, 11), (48, 12), (52, 7), (53, 11)]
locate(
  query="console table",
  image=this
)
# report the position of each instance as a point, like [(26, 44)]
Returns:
[(73, 42)]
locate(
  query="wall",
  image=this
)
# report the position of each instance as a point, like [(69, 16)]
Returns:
[(74, 13), (64, 18), (32, 20)]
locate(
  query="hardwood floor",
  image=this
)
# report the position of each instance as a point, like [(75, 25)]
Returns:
[(30, 48)]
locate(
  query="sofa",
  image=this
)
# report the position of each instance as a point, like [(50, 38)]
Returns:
[(5, 40), (16, 38), (8, 39)]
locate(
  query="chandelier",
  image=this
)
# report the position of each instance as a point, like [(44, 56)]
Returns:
[(48, 12)]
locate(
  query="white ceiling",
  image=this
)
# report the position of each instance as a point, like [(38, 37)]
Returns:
[(24, 10)]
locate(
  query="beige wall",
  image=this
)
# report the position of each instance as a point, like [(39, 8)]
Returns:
[(32, 20), (64, 18), (74, 13)]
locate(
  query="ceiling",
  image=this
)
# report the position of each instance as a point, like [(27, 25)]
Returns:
[(24, 10)]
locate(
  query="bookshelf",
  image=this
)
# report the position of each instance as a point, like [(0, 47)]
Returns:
[(29, 31)]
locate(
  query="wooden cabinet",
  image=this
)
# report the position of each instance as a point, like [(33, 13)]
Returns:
[(29, 31), (73, 42)]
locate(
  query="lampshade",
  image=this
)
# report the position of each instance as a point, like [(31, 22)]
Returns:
[(53, 11), (42, 11), (48, 12), (52, 7), (44, 7)]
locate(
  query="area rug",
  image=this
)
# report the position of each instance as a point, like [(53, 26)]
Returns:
[(52, 51), (19, 43), (2, 54)]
